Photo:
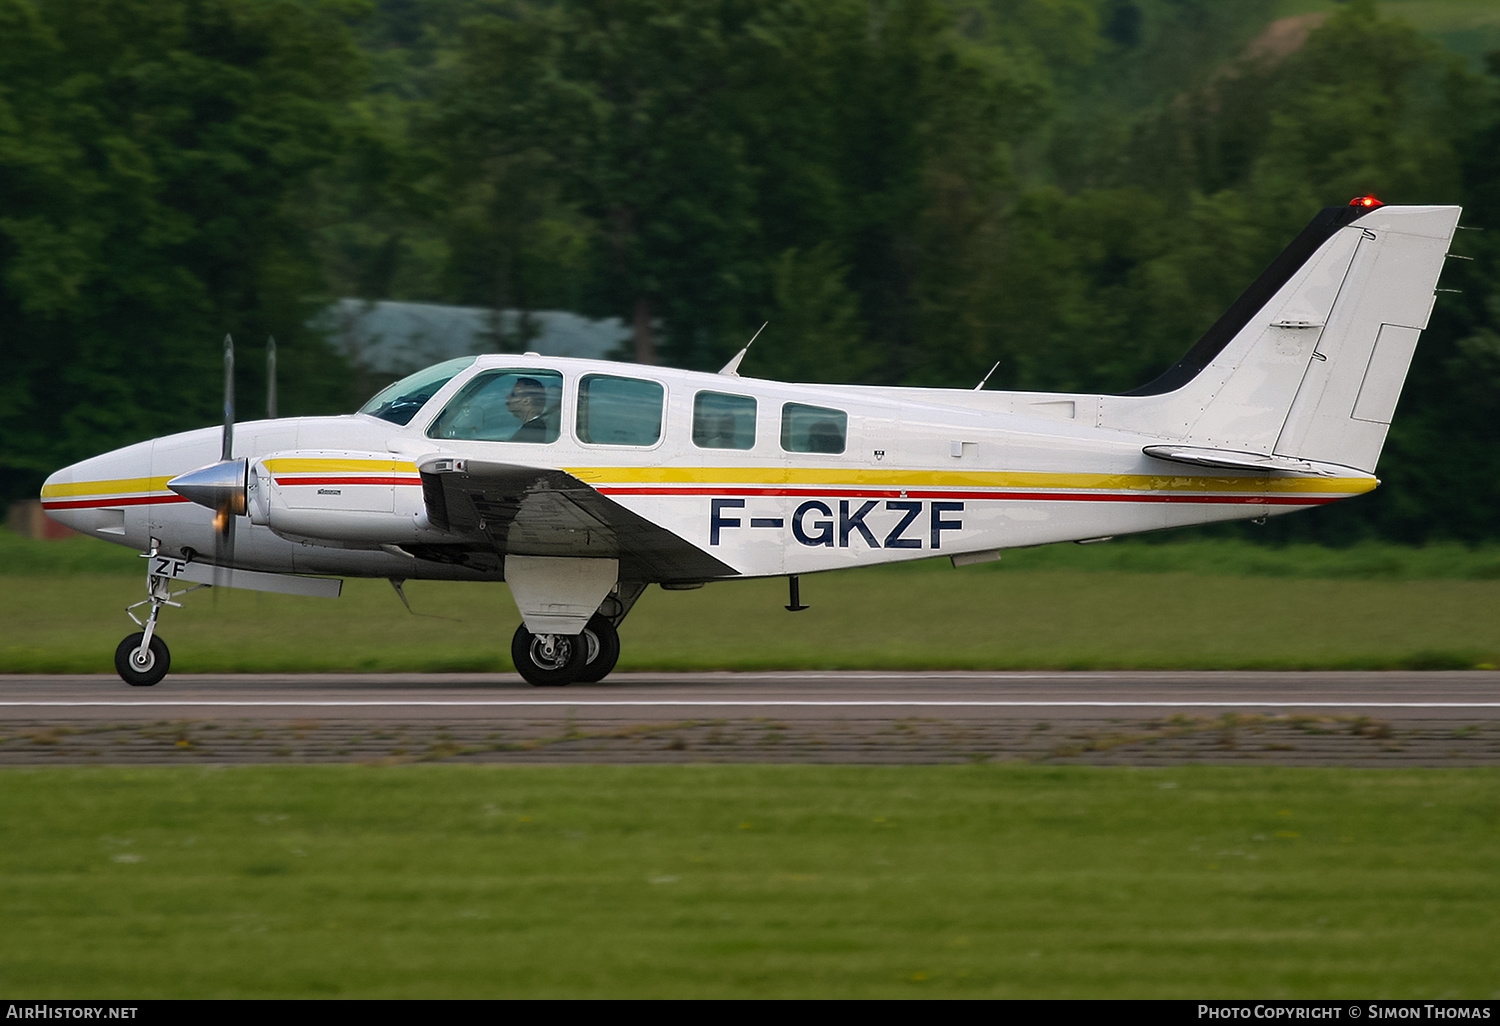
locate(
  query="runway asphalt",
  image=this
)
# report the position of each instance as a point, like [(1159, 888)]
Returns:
[(1143, 719), (799, 695)]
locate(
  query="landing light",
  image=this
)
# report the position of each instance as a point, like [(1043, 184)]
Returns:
[(1365, 201)]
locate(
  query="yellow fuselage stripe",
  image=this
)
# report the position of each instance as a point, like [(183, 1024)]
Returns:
[(125, 486), (316, 466), (964, 479), (812, 476)]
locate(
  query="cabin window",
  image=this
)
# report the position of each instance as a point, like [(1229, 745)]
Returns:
[(813, 428), (619, 411), (503, 406), (723, 421), (400, 402)]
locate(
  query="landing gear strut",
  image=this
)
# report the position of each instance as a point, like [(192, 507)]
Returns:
[(143, 659)]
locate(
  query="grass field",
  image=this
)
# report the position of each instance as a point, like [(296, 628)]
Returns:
[(984, 881), (1193, 605)]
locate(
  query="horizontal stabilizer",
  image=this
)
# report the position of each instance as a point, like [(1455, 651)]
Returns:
[(1229, 460)]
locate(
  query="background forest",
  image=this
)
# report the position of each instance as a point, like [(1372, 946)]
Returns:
[(907, 190)]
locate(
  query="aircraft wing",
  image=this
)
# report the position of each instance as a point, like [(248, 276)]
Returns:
[(537, 511)]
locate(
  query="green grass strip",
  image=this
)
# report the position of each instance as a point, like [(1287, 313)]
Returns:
[(879, 619), (1173, 552), (749, 881), (1190, 605)]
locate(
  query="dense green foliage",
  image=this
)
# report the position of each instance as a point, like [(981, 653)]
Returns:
[(150, 153), (907, 190)]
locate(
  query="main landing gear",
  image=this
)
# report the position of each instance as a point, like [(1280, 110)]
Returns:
[(142, 659), (556, 660)]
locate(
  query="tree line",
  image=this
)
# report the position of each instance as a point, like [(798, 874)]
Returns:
[(908, 191)]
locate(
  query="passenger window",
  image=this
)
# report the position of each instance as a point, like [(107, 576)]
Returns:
[(504, 406), (813, 428), (619, 411), (723, 421)]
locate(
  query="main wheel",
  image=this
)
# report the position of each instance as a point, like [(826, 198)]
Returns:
[(548, 660), (142, 672), (602, 650)]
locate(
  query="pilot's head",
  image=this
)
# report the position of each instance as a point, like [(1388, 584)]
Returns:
[(528, 399)]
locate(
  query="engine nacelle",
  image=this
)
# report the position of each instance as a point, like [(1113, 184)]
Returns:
[(360, 499)]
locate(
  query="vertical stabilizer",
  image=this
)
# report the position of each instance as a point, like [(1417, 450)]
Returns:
[(1309, 362), (1344, 405)]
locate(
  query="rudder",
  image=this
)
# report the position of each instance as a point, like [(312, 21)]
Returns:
[(1309, 362)]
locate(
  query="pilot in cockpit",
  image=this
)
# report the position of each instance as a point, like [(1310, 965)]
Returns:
[(528, 404)]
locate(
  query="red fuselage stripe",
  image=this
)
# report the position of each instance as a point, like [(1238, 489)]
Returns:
[(134, 500), (285, 481)]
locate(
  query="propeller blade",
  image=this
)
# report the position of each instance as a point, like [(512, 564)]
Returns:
[(224, 520), (231, 501), (271, 377), (228, 452)]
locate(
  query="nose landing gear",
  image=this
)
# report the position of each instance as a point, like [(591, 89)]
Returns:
[(142, 659)]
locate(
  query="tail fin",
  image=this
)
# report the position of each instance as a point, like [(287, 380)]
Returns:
[(1309, 362)]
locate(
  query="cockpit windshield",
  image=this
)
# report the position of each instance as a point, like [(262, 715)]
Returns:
[(400, 402)]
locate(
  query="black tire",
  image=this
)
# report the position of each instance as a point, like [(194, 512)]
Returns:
[(601, 650), (548, 660), (142, 675)]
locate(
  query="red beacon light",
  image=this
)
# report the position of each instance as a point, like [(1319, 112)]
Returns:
[(1365, 201)]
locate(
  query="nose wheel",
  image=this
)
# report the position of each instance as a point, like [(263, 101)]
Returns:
[(142, 663)]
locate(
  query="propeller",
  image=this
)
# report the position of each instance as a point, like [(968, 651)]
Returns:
[(220, 486), (271, 377)]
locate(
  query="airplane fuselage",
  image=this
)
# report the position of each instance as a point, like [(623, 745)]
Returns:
[(923, 472)]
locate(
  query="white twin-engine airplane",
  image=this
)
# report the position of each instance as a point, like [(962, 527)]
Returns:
[(580, 482)]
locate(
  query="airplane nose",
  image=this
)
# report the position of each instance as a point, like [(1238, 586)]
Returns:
[(68, 498), (97, 495), (56, 497)]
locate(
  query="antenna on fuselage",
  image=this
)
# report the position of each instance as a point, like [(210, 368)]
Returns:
[(271, 377), (985, 380), (732, 368)]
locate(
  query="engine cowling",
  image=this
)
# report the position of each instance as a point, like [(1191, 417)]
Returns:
[(330, 496)]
